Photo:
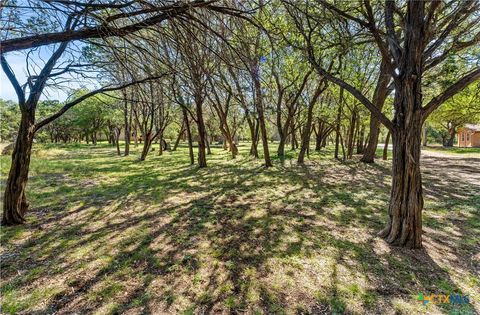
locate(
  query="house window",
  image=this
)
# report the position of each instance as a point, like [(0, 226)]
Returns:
[(463, 136), (468, 137)]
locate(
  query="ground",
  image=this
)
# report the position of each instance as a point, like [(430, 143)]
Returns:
[(109, 234)]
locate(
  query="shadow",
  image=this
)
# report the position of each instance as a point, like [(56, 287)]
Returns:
[(115, 236)]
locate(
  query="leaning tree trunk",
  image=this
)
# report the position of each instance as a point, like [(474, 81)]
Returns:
[(14, 201)]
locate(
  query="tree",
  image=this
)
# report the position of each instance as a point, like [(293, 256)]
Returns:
[(413, 38), (64, 22)]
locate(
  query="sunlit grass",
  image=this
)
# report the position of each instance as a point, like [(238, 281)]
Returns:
[(109, 234)]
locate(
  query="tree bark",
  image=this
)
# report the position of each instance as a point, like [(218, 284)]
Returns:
[(338, 120), (307, 131), (385, 146), (261, 120), (180, 134), (147, 142), (202, 159), (14, 201), (127, 125), (404, 227), (189, 136), (253, 125), (380, 94)]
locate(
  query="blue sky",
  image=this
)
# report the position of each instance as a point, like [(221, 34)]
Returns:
[(18, 64)]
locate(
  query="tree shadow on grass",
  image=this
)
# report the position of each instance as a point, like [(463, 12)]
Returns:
[(232, 238)]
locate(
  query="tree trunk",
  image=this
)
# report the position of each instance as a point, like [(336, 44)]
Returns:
[(424, 134), (14, 201), (147, 142), (404, 226), (307, 131), (261, 121), (281, 147), (160, 144), (255, 140), (189, 137), (135, 136), (351, 134), (360, 139), (117, 140), (318, 136), (338, 120), (207, 144), (202, 159), (127, 127), (182, 131), (380, 94), (452, 132), (385, 147)]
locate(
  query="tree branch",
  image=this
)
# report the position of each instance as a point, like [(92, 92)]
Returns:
[(11, 77), (455, 88), (69, 105)]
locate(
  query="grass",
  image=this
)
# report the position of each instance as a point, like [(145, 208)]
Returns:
[(109, 234)]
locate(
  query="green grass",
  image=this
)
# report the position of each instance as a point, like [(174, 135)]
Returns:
[(108, 234), (454, 150)]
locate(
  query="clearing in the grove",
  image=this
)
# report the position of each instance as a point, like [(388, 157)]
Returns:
[(109, 234)]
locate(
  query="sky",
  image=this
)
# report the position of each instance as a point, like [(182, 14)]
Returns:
[(18, 64)]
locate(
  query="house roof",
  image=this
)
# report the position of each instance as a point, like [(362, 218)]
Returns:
[(472, 127)]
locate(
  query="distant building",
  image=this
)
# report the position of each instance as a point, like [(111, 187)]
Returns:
[(469, 136)]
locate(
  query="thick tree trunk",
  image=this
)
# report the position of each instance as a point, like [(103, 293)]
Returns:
[(14, 201), (404, 226)]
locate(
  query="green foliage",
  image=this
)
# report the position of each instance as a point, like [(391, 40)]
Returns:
[(9, 120)]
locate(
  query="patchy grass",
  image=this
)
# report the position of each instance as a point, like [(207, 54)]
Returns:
[(109, 234), (454, 150)]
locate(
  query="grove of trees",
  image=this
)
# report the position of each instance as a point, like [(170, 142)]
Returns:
[(280, 74)]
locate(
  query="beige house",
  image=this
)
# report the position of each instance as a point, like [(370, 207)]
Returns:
[(469, 136)]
